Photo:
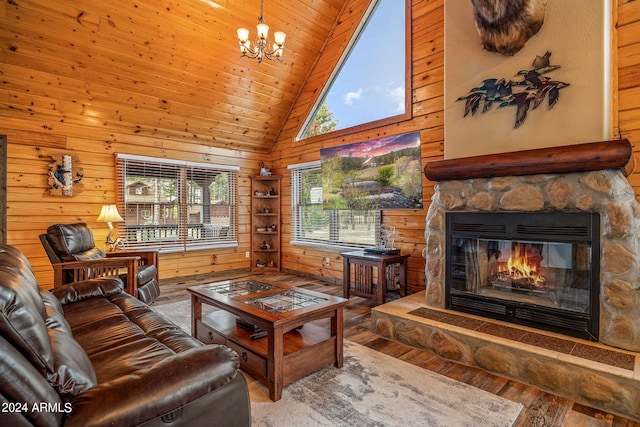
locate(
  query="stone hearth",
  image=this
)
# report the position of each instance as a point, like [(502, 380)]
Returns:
[(550, 180), (592, 374)]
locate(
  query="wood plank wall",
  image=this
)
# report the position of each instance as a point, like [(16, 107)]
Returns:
[(626, 56), (30, 208), (43, 112), (54, 99), (428, 118)]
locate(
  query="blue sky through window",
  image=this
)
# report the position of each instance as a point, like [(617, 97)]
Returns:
[(371, 83)]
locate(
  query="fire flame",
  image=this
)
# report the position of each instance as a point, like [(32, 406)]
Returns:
[(519, 266)]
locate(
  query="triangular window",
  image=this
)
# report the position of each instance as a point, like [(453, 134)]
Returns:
[(370, 81)]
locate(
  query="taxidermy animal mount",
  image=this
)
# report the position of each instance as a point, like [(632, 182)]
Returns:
[(505, 26)]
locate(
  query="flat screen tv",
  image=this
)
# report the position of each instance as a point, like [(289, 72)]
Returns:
[(383, 173)]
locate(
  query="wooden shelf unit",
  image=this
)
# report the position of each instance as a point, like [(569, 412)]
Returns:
[(265, 223)]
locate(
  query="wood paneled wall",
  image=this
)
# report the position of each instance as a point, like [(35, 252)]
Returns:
[(31, 209), (46, 108), (74, 81), (428, 118), (626, 60)]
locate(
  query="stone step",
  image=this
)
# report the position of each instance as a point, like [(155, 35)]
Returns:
[(589, 373)]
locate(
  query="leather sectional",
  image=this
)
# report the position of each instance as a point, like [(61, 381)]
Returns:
[(88, 353)]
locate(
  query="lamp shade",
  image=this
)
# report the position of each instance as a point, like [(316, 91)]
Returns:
[(109, 213), (279, 38), (243, 34), (263, 31)]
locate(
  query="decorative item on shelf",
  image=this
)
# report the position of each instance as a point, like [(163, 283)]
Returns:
[(260, 49), (65, 172), (386, 236), (386, 242), (272, 264), (265, 221), (264, 171), (110, 214)]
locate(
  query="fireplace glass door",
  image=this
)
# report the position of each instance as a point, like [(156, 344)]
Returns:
[(538, 270), (531, 272)]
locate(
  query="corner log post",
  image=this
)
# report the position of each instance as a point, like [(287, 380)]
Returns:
[(614, 154)]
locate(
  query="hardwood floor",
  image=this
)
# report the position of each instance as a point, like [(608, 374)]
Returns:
[(541, 408)]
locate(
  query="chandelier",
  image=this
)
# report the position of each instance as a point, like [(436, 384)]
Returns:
[(260, 48)]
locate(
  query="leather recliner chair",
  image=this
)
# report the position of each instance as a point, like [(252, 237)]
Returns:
[(74, 256)]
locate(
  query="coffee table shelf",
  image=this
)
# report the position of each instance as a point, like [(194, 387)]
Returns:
[(219, 327)]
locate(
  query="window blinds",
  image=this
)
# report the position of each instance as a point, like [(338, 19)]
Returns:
[(174, 205), (312, 224)]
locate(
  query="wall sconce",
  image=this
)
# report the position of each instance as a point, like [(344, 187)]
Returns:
[(110, 214)]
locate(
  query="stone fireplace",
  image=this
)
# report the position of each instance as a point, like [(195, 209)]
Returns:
[(588, 180), (606, 192)]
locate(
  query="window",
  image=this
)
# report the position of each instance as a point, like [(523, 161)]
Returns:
[(371, 80), (174, 205), (312, 224)]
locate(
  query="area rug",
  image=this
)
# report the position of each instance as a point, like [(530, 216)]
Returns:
[(371, 389), (179, 312)]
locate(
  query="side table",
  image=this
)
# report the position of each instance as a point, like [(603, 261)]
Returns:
[(362, 283)]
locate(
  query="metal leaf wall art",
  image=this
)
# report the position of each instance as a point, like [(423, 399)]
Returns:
[(526, 91)]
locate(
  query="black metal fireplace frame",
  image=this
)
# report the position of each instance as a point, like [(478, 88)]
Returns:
[(564, 227)]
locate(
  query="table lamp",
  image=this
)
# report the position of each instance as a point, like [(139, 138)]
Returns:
[(110, 214)]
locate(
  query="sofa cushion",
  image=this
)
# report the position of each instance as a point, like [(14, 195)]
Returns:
[(54, 313), (88, 289), (73, 242), (72, 369), (127, 359), (15, 260), (22, 383), (73, 372), (102, 334), (22, 314)]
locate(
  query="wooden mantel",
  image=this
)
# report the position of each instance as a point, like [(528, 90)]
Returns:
[(615, 154)]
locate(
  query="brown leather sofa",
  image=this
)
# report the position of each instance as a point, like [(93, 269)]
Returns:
[(88, 353)]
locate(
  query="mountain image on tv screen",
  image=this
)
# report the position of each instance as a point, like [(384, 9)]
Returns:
[(383, 173)]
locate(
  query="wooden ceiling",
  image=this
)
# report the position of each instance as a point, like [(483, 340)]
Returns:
[(166, 68)]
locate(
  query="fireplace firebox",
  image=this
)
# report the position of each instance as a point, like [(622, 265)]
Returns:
[(536, 269)]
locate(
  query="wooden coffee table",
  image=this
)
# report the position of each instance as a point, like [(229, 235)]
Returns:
[(303, 328)]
